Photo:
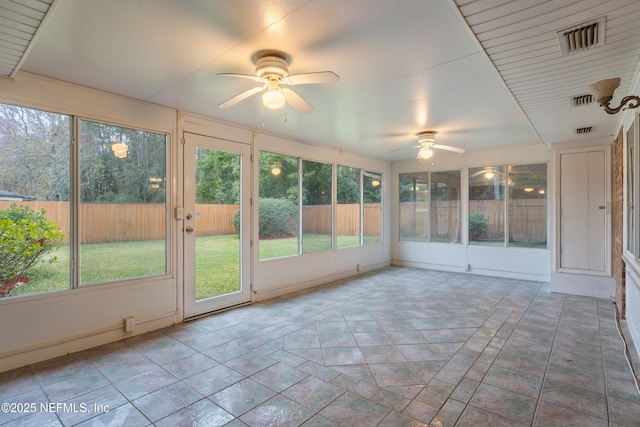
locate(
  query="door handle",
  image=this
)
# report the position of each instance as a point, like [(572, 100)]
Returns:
[(189, 229), (601, 207)]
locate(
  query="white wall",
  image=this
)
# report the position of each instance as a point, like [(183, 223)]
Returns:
[(38, 327), (519, 263)]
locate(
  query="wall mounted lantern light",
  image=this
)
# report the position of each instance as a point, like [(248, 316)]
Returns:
[(603, 92)]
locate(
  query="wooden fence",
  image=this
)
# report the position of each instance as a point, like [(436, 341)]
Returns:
[(114, 222), (527, 219), (119, 222), (317, 219)]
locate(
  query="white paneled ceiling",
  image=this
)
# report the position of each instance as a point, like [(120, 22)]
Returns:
[(19, 24), (405, 65), (520, 36)]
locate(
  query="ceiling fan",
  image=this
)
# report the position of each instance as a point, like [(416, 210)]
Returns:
[(427, 142), (273, 72)]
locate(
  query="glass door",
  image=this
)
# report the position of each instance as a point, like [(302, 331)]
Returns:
[(215, 224)]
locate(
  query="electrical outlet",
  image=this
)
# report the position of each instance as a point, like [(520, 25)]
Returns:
[(129, 324)]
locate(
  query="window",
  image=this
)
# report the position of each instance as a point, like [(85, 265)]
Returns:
[(34, 177), (486, 205), (430, 206), (122, 203), (445, 207), (278, 205), (528, 205), (414, 196), (117, 184), (523, 189), (372, 208), (316, 207), (348, 208)]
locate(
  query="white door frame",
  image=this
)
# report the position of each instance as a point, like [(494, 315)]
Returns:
[(191, 306)]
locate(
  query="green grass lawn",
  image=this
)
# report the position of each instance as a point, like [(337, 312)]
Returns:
[(217, 262)]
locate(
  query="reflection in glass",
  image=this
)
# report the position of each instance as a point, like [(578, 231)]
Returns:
[(348, 208), (528, 205), (217, 223), (122, 203), (445, 207), (35, 178), (372, 209), (486, 205), (278, 205), (316, 207), (414, 204)]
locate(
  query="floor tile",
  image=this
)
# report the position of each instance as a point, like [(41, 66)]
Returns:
[(352, 410), (313, 393), (277, 411), (576, 398), (428, 347), (145, 383), (279, 377), (514, 406), (242, 396), (202, 413)]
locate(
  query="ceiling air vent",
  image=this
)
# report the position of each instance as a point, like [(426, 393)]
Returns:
[(585, 130), (581, 100), (582, 37)]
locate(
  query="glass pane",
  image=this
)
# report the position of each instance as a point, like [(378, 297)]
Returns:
[(278, 205), (217, 181), (348, 209), (631, 201), (372, 195), (486, 205), (34, 186), (528, 206), (414, 204), (445, 207), (122, 203), (316, 207)]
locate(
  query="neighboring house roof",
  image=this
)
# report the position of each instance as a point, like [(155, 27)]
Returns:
[(8, 195)]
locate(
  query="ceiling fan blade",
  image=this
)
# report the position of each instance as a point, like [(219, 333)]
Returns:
[(312, 78), (405, 148), (448, 148), (244, 76), (302, 106), (241, 97)]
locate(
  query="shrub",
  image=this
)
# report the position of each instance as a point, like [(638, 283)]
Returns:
[(25, 236), (278, 218), (478, 225)]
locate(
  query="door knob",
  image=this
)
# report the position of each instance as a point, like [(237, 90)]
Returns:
[(189, 229)]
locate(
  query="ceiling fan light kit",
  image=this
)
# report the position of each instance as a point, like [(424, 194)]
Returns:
[(427, 142), (272, 70), (603, 92)]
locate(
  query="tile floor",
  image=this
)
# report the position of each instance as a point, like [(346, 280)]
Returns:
[(397, 347)]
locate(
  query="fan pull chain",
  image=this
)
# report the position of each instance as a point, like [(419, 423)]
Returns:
[(261, 115)]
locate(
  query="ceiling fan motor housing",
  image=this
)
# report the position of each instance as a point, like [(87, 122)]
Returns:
[(268, 66), (427, 137)]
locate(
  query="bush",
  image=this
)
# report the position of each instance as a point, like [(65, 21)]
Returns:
[(478, 225), (278, 218), (25, 236)]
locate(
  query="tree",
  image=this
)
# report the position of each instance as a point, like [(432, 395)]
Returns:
[(278, 176), (217, 177), (36, 153)]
